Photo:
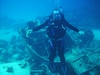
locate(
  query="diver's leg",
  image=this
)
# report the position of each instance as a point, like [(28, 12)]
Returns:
[(52, 51), (62, 58), (52, 56), (61, 51)]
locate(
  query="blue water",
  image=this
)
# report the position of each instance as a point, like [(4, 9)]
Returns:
[(75, 10), (29, 9)]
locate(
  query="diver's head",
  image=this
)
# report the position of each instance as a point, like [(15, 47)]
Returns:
[(56, 15)]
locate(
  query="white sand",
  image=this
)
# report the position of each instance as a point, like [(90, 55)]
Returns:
[(17, 70)]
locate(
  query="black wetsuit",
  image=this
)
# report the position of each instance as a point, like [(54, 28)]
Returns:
[(56, 31)]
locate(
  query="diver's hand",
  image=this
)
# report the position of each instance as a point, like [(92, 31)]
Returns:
[(81, 32), (28, 32)]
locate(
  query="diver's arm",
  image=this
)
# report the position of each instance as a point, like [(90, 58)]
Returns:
[(40, 26), (70, 26)]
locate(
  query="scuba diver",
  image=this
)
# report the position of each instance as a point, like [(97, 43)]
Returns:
[(56, 31)]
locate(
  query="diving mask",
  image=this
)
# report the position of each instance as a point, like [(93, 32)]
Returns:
[(56, 15)]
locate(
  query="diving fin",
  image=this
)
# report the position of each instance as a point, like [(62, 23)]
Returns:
[(52, 66), (64, 69)]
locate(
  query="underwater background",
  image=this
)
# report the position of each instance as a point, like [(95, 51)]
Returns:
[(83, 14)]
